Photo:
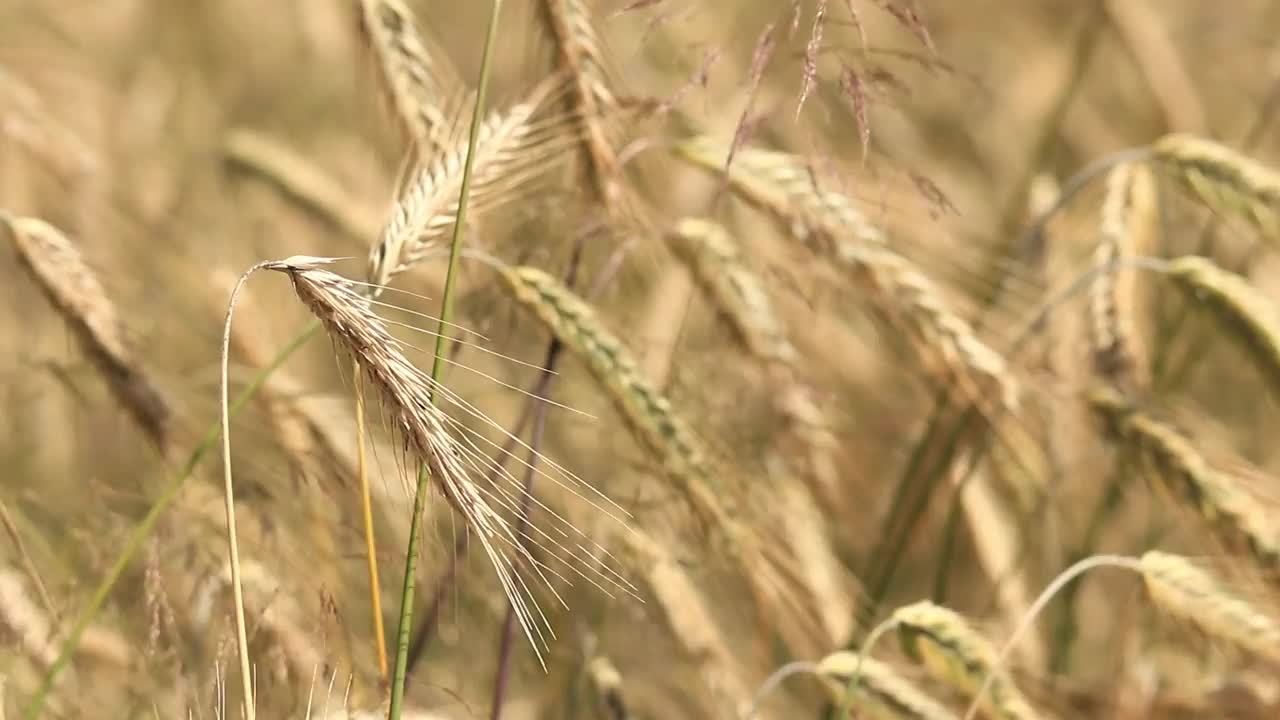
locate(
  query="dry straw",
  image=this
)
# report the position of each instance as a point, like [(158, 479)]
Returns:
[(1234, 514), (1124, 228), (1226, 180), (73, 288), (959, 656), (784, 186)]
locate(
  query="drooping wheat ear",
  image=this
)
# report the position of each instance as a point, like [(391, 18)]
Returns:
[(302, 182), (685, 460), (419, 85), (783, 185), (37, 635), (513, 147), (959, 656), (1126, 218), (692, 622), (73, 288), (879, 690), (656, 425), (1226, 180), (448, 449), (1196, 596), (1234, 515), (583, 57), (1254, 316)]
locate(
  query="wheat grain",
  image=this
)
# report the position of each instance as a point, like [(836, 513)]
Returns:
[(1232, 513), (1226, 180), (1125, 219), (512, 147), (959, 656), (75, 291), (783, 185), (1253, 315), (881, 691)]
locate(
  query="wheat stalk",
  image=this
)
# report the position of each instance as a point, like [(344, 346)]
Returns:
[(959, 656), (1254, 316), (74, 290), (783, 186), (1233, 514), (1127, 213), (512, 147), (418, 83), (1225, 179)]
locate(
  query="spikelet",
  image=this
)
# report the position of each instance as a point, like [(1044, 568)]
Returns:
[(957, 655), (73, 288), (302, 182), (582, 56), (1232, 513), (1254, 316), (513, 146), (880, 692), (782, 185), (1126, 217), (1226, 180), (1190, 593), (419, 86), (435, 439)]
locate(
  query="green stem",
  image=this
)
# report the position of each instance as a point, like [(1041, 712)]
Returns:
[(437, 367), (143, 529)]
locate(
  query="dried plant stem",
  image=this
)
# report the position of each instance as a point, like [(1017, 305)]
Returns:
[(370, 541), (233, 543), (419, 499)]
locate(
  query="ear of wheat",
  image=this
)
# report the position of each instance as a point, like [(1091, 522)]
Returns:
[(452, 456), (513, 146), (1226, 180), (1232, 514), (1126, 215), (1192, 594), (582, 56), (882, 692), (75, 291), (958, 655), (685, 460), (419, 85), (1253, 316), (783, 186)]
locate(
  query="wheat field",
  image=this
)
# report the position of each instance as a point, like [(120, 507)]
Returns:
[(639, 359)]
